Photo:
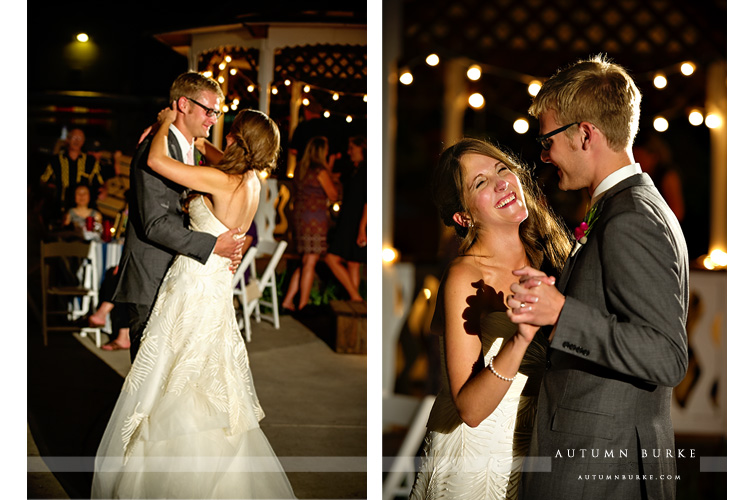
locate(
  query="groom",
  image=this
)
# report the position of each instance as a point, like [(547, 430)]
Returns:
[(157, 229), (618, 342)]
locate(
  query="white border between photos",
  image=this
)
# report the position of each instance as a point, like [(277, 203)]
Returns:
[(374, 244), (738, 241)]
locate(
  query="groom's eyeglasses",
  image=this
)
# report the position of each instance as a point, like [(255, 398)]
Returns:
[(209, 112), (544, 139)]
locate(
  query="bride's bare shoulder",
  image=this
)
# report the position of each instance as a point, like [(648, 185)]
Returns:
[(461, 271)]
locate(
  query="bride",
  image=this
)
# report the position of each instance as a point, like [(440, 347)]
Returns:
[(480, 425), (186, 424)]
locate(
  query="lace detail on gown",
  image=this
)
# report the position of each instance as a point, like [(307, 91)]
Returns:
[(188, 407), (484, 462)]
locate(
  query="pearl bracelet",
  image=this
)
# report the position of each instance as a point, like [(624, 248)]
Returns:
[(492, 369)]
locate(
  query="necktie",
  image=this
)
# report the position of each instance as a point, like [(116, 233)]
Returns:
[(190, 159)]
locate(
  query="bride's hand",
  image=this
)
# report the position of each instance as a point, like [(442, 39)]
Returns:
[(168, 115)]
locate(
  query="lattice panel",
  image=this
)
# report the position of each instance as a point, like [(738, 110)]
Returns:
[(336, 67), (492, 30), (244, 59)]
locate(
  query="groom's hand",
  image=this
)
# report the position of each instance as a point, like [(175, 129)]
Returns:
[(229, 245)]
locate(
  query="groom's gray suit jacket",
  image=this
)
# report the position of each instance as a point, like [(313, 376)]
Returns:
[(619, 347), (156, 230)]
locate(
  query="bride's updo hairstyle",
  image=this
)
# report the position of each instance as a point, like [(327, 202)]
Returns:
[(256, 144), (542, 233)]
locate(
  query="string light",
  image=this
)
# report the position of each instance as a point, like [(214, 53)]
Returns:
[(521, 126), (82, 37), (476, 100), (695, 117), (474, 72), (534, 87), (713, 121), (250, 86), (719, 257), (687, 68), (389, 255), (534, 84), (660, 124)]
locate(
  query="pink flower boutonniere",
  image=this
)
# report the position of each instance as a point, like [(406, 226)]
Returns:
[(582, 231)]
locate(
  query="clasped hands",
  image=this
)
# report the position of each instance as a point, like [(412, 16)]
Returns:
[(535, 300)]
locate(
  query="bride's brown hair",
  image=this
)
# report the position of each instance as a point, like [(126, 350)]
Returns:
[(256, 144), (256, 147), (543, 234)]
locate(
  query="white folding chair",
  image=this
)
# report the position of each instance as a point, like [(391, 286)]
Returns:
[(83, 297), (251, 288), (400, 410)]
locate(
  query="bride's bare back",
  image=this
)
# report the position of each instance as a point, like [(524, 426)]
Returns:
[(237, 208)]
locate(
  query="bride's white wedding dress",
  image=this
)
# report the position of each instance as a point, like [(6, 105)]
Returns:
[(482, 463), (186, 422)]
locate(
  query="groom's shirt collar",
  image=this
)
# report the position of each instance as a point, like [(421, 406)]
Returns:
[(614, 178), (185, 145)]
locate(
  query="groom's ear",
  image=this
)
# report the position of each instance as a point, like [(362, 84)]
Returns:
[(461, 219), (182, 104)]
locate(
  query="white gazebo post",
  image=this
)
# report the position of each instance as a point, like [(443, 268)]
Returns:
[(455, 100), (294, 102), (265, 75), (716, 104)]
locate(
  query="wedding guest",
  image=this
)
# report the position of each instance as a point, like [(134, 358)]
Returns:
[(117, 313), (618, 342), (81, 213), (69, 168), (480, 425), (315, 188), (347, 249), (655, 159)]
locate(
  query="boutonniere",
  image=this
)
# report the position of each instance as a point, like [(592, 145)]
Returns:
[(582, 231)]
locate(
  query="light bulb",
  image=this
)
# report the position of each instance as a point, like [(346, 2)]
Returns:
[(474, 72), (476, 101)]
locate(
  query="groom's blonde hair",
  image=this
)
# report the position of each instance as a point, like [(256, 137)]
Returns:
[(191, 84), (595, 90)]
